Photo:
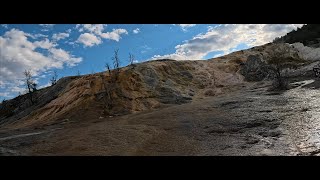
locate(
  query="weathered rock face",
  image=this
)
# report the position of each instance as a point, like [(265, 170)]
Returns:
[(254, 69), (146, 86), (21, 106), (307, 53)]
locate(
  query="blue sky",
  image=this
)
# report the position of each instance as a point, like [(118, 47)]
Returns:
[(69, 48)]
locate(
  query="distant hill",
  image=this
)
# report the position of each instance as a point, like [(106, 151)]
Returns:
[(308, 34)]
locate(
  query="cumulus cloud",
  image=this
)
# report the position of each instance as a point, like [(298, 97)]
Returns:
[(5, 26), (59, 36), (45, 85), (184, 27), (63, 56), (18, 54), (89, 40), (46, 27), (226, 38), (5, 94), (94, 28), (94, 33), (136, 31), (36, 36), (114, 35), (44, 44)]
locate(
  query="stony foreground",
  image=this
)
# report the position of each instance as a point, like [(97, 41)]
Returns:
[(250, 120)]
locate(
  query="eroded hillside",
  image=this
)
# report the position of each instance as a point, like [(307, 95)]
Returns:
[(146, 86), (221, 106)]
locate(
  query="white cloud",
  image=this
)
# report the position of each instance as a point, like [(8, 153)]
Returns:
[(89, 40), (44, 44), (114, 35), (94, 28), (184, 27), (64, 56), (5, 26), (136, 31), (59, 36), (227, 37), (18, 54), (18, 89), (145, 48), (5, 94), (36, 36), (69, 31), (94, 33), (47, 25), (45, 85)]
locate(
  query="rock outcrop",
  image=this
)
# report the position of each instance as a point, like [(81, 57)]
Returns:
[(146, 86)]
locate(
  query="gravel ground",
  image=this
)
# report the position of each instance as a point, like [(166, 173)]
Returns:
[(250, 120)]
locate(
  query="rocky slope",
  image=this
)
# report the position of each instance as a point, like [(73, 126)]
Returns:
[(145, 86), (149, 85), (220, 106)]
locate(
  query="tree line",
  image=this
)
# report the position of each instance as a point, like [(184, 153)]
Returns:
[(308, 35)]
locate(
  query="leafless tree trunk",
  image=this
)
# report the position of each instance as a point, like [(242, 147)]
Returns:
[(29, 84), (108, 68), (116, 64), (131, 58), (54, 78)]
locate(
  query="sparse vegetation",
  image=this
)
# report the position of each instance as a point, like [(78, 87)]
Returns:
[(108, 68), (111, 87), (31, 86), (6, 109), (131, 60), (308, 34), (279, 60), (54, 78), (116, 64)]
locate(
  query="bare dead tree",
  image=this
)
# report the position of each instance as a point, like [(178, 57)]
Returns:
[(111, 87), (108, 101), (108, 68), (116, 64), (30, 84), (131, 59), (116, 60), (34, 87), (54, 78)]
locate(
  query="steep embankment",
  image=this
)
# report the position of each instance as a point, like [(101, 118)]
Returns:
[(146, 86)]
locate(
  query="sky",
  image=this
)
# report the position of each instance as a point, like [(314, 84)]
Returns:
[(86, 48)]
